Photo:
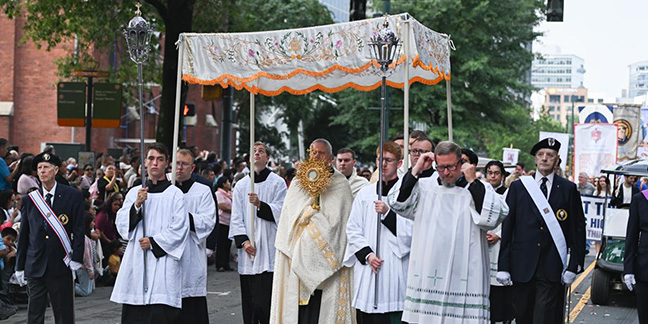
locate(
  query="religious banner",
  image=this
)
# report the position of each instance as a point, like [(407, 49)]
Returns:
[(595, 147), (593, 209), (642, 151), (598, 114), (563, 138), (628, 120), (510, 155)]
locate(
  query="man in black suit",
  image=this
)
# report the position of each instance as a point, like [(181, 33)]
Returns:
[(635, 263), (48, 252), (544, 225)]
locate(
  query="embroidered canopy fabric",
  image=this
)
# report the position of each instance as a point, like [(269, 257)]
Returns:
[(330, 58)]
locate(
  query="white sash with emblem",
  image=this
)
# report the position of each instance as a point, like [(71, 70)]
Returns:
[(54, 223), (548, 215)]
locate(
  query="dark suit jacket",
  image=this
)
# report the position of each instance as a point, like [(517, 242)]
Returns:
[(617, 201), (39, 248), (636, 251), (526, 241)]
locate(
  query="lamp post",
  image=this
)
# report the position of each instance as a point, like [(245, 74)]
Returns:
[(383, 47), (138, 37)]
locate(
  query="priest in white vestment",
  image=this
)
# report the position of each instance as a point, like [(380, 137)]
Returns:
[(201, 209), (345, 162), (448, 277), (256, 251), (311, 283), (390, 262), (155, 222)]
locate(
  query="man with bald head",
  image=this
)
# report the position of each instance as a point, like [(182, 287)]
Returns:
[(311, 284)]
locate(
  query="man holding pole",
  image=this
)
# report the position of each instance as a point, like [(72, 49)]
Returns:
[(391, 262), (253, 227), (155, 222)]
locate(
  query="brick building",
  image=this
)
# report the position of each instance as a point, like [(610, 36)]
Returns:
[(28, 112)]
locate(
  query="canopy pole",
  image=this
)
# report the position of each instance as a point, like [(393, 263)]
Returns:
[(449, 99), (252, 208), (176, 118), (406, 88)]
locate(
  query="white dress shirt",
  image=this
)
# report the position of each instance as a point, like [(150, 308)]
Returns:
[(550, 180), (52, 192)]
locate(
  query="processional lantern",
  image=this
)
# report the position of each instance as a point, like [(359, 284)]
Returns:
[(384, 46), (138, 37)]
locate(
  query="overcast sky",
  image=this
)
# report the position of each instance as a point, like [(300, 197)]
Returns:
[(608, 35)]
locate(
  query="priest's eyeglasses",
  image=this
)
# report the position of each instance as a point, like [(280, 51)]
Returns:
[(419, 151), (493, 173), (386, 160), (450, 168)]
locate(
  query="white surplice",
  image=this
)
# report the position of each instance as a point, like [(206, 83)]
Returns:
[(272, 191), (167, 222), (357, 182), (200, 205), (394, 250), (448, 278)]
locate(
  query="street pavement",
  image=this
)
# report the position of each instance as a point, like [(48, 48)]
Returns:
[(223, 302)]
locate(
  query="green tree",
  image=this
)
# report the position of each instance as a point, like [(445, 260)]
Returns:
[(97, 28)]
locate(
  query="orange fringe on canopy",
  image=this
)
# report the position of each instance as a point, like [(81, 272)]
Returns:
[(256, 90)]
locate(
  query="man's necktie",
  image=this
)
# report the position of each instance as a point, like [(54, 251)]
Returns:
[(543, 186), (48, 199)]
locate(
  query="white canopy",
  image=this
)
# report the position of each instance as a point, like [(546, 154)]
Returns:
[(328, 58)]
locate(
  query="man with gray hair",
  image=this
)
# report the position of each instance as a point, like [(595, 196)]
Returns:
[(584, 186), (448, 277)]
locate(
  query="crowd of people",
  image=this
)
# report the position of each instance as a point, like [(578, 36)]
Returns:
[(450, 244)]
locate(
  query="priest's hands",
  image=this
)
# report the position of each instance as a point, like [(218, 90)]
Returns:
[(254, 199), (142, 194), (145, 243), (492, 238), (504, 278), (468, 171), (381, 207), (374, 262), (249, 249), (424, 162)]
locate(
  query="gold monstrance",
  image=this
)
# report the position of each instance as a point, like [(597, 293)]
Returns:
[(314, 176)]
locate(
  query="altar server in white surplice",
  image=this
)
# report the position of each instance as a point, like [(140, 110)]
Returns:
[(201, 210), (256, 261), (391, 261), (448, 277), (149, 284)]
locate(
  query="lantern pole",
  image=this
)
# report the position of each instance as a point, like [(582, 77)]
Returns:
[(138, 35), (384, 47)]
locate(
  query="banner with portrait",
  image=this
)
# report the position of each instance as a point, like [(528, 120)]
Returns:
[(510, 155), (628, 121), (597, 114), (563, 138), (595, 148), (642, 151)]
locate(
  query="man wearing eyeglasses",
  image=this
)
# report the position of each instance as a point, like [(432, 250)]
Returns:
[(495, 176), (448, 277), (421, 145)]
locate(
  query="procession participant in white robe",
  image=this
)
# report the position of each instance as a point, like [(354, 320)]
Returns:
[(391, 261), (311, 284), (501, 296), (448, 277), (149, 284), (201, 208), (345, 162), (256, 261)]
